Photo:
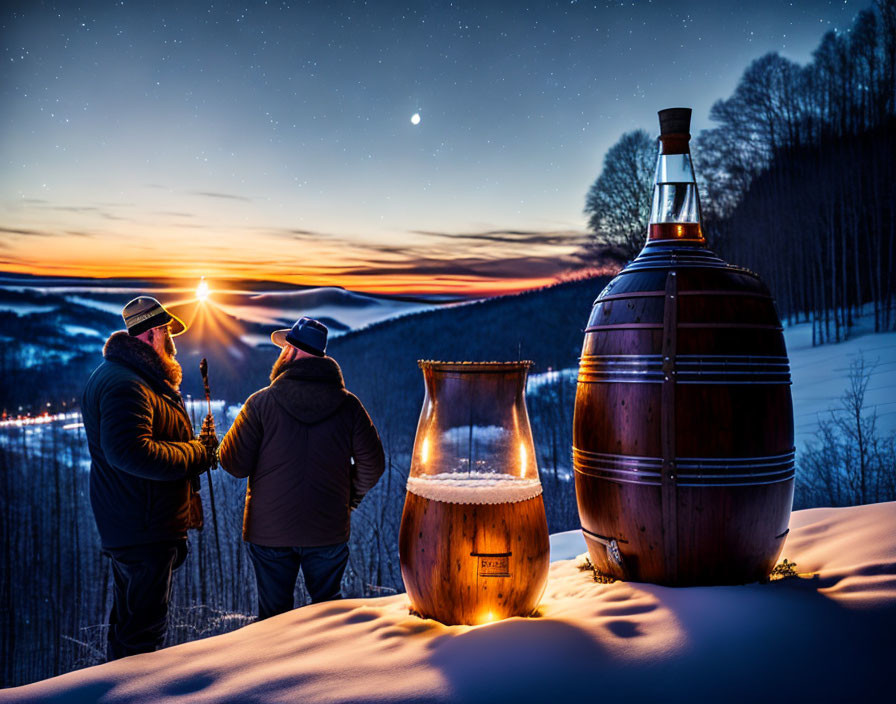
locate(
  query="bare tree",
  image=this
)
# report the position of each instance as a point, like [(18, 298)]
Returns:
[(618, 202), (851, 462)]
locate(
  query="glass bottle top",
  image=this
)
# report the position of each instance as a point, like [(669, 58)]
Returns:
[(474, 443), (675, 213)]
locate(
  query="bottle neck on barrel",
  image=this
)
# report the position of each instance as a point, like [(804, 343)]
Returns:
[(675, 214)]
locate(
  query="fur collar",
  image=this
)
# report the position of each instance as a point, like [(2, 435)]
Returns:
[(121, 347)]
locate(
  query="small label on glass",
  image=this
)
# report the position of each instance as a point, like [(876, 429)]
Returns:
[(494, 566)]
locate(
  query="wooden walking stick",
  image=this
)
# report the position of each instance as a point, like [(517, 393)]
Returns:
[(208, 425)]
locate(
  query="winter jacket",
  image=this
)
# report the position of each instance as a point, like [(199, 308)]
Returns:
[(141, 446), (310, 451)]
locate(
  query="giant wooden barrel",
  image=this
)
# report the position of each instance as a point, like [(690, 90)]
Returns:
[(683, 431)]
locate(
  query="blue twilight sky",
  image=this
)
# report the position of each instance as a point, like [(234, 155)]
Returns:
[(274, 139)]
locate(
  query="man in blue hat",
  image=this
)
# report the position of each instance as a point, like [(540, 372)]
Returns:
[(311, 453), (143, 464)]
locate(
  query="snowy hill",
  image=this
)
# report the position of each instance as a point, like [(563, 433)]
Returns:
[(826, 635), (820, 375), (259, 305)]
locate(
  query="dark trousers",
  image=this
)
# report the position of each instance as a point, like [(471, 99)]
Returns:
[(276, 571), (141, 590)]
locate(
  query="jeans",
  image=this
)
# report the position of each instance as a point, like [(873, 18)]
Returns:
[(276, 571), (141, 576)]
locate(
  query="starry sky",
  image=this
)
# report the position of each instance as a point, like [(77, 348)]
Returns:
[(274, 140)]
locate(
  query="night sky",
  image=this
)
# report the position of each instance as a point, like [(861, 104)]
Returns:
[(274, 140)]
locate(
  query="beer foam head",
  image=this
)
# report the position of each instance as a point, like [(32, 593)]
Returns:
[(474, 488)]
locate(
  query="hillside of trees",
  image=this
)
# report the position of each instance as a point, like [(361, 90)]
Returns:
[(797, 180)]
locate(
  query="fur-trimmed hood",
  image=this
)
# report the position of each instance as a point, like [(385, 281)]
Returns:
[(142, 358), (309, 388)]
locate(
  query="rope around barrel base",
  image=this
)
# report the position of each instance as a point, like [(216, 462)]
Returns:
[(596, 574)]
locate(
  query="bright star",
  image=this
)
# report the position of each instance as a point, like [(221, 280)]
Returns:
[(415, 118)]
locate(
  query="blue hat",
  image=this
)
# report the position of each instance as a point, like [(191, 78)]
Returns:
[(307, 334)]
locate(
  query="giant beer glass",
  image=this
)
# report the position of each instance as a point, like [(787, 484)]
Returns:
[(474, 538)]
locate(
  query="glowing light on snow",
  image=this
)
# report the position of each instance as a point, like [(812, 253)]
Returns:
[(415, 118), (43, 419), (202, 290)]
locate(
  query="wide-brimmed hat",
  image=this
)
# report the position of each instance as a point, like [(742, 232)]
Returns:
[(145, 313), (307, 334)]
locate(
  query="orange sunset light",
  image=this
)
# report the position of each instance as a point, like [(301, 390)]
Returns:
[(467, 264), (409, 283)]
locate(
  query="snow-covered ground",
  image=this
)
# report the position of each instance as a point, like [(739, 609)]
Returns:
[(820, 375), (826, 635)]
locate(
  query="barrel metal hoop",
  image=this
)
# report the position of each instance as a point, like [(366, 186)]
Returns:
[(739, 294), (625, 469), (689, 369), (692, 471), (737, 462), (721, 485), (621, 480), (632, 294), (698, 326), (706, 481), (739, 382), (732, 326), (689, 262), (668, 489), (710, 293), (625, 326)]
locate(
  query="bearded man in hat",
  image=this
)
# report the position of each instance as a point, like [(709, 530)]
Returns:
[(311, 453), (144, 471)]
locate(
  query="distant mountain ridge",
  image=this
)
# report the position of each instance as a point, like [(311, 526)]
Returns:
[(544, 325), (250, 286)]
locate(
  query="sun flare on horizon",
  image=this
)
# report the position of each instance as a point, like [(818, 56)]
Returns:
[(202, 291)]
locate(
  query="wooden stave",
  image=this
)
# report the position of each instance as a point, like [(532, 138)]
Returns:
[(632, 515), (721, 311), (444, 584)]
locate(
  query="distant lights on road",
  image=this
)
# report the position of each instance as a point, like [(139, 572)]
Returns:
[(43, 419)]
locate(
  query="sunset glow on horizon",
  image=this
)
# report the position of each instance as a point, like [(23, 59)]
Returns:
[(432, 149), (420, 262), (410, 283)]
